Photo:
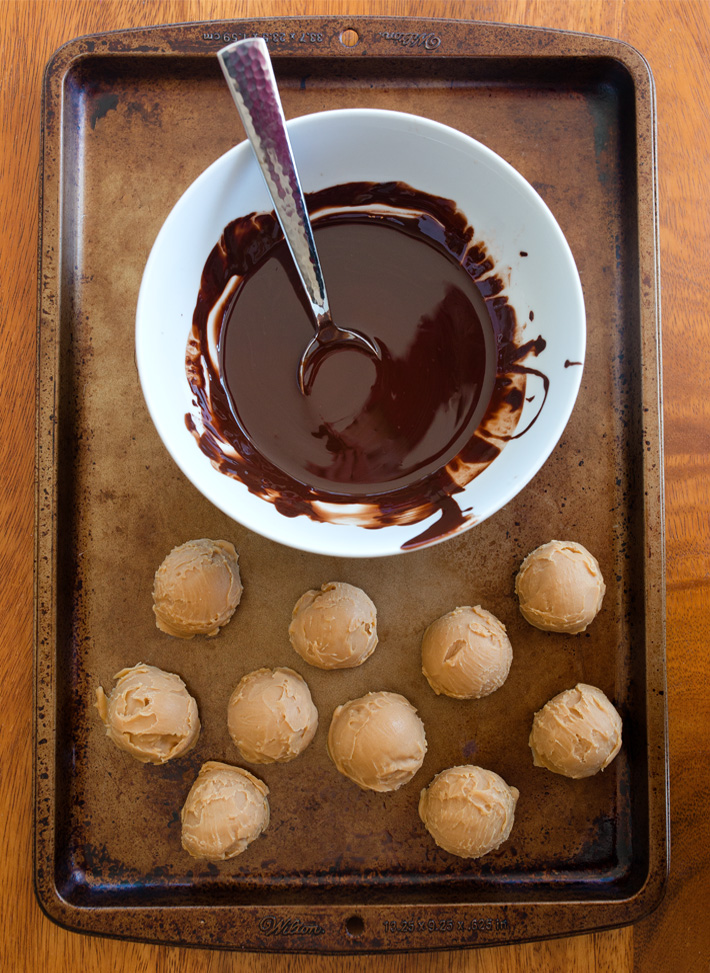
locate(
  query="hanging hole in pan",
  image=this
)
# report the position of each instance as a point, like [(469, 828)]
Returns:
[(349, 37), (354, 926)]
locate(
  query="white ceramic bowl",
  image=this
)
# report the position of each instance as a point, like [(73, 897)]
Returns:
[(337, 147)]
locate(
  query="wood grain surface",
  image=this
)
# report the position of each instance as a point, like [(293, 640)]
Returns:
[(675, 39)]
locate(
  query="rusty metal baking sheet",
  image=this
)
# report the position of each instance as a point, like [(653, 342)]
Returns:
[(129, 120)]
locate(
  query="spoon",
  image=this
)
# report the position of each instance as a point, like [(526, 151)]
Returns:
[(249, 74)]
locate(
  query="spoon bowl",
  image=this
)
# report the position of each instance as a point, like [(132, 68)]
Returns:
[(328, 338)]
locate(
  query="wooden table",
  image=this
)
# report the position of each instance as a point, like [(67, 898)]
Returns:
[(675, 38)]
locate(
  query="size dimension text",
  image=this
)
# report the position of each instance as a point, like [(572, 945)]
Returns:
[(410, 925), (274, 37)]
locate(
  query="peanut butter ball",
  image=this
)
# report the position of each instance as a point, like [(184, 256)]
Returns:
[(334, 628), (468, 811), (378, 741), (577, 733), (226, 809), (466, 653), (560, 587), (271, 716), (197, 588), (149, 714)]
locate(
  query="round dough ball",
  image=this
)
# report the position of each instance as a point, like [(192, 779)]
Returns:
[(197, 588), (225, 810), (468, 811), (466, 653), (577, 733), (149, 714), (334, 628), (378, 741), (271, 716), (560, 587)]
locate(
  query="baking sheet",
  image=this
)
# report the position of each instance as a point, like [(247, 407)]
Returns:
[(129, 119)]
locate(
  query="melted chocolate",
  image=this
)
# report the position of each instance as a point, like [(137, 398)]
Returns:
[(398, 437)]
